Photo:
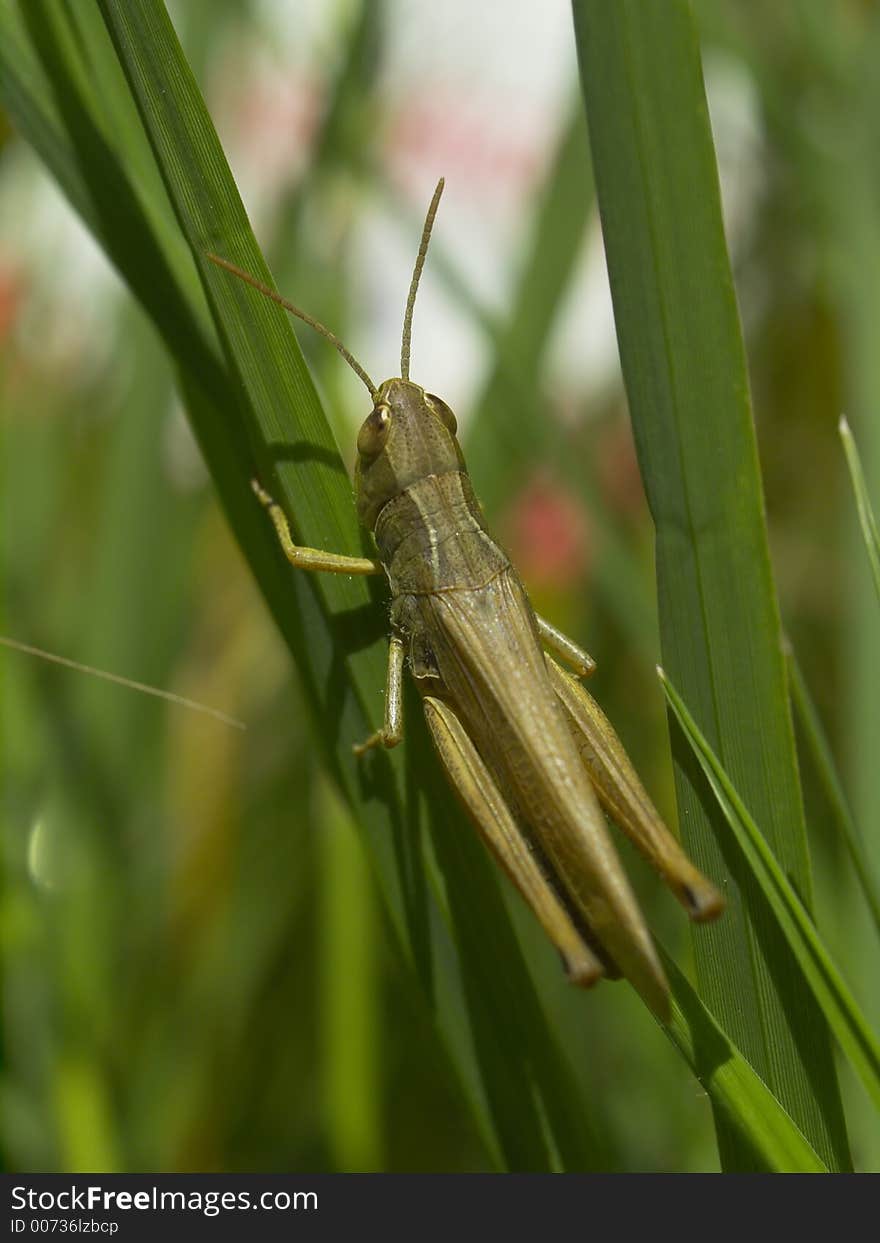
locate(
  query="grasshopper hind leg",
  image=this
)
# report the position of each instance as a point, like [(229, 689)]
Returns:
[(486, 806), (626, 801)]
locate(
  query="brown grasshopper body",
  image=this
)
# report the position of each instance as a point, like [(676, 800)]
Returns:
[(526, 748)]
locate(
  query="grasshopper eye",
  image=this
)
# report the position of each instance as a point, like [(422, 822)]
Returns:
[(440, 408), (374, 431)]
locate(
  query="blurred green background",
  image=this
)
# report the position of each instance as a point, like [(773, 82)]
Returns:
[(197, 972)]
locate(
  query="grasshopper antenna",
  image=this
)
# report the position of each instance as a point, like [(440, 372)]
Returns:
[(406, 343), (181, 702), (294, 310)]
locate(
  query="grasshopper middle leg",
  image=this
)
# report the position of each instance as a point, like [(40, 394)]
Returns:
[(336, 563), (392, 729)]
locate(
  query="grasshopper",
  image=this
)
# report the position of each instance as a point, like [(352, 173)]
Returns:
[(528, 751)]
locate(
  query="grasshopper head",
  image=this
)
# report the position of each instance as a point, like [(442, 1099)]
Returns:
[(408, 434)]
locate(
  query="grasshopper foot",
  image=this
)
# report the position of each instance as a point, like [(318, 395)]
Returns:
[(261, 494), (382, 738)]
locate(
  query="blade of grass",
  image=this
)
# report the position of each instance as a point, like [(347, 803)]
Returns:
[(829, 989), (684, 367), (867, 521), (832, 204), (46, 90), (27, 100), (349, 993), (823, 761), (748, 1106)]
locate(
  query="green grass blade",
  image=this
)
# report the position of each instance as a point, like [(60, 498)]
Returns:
[(745, 1102), (683, 363), (823, 761), (837, 1003), (867, 520), (350, 993), (26, 98)]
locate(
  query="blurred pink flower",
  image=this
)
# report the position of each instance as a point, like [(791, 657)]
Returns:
[(547, 534)]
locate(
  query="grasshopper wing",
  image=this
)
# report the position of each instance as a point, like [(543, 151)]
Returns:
[(485, 804)]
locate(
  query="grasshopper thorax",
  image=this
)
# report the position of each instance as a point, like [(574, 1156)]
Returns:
[(408, 435)]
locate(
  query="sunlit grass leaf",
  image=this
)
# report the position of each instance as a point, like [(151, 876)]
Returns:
[(748, 1106), (684, 367), (837, 1003)]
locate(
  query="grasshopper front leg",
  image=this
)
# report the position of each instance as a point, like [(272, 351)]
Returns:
[(625, 799), (311, 558)]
